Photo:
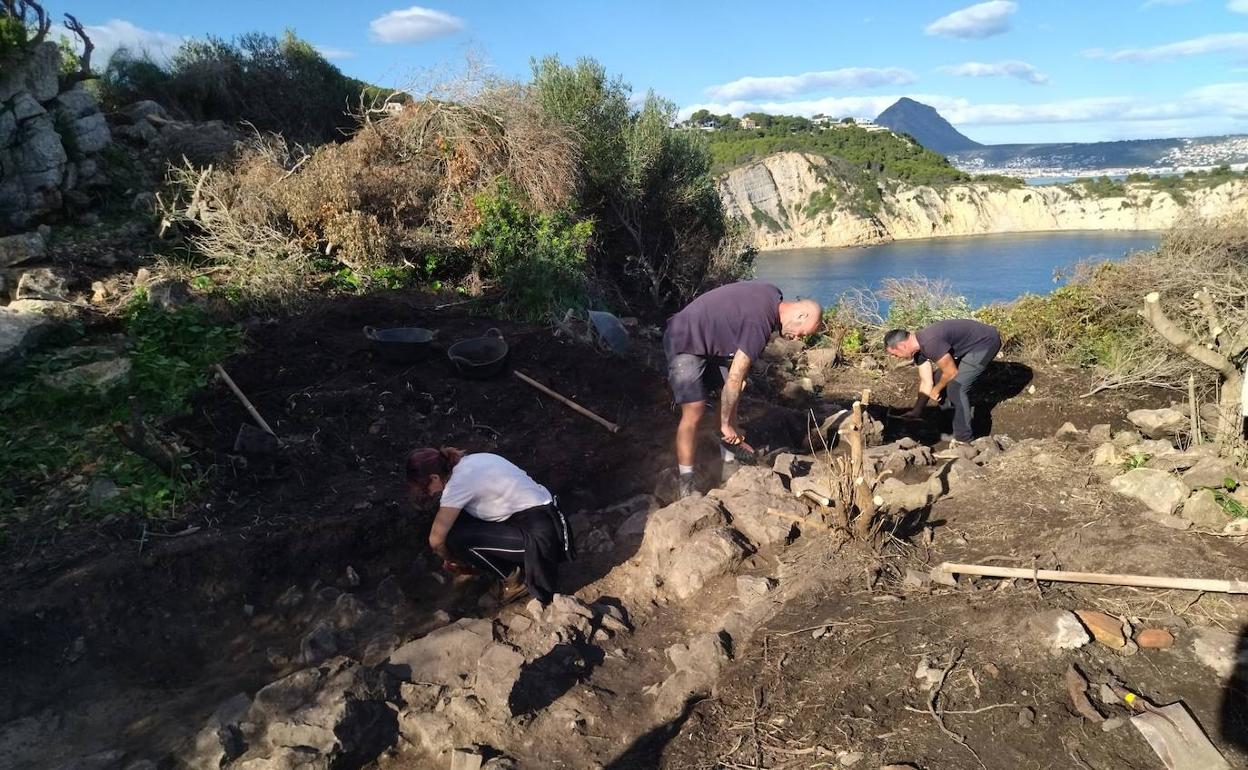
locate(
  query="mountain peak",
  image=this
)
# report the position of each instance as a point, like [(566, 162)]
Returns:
[(924, 123)]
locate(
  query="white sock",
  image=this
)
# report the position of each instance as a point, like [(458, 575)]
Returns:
[(684, 469), (727, 454)]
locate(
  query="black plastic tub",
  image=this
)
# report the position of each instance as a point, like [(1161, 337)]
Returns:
[(405, 344), (480, 358)]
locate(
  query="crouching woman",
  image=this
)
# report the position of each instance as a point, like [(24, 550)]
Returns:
[(511, 523)]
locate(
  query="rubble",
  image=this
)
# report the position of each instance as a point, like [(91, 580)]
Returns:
[(1203, 510), (1057, 630), (1160, 491), (1158, 423)]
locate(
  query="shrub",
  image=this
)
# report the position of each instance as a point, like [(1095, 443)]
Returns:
[(918, 301), (277, 84)]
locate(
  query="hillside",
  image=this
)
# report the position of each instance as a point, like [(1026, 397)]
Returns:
[(794, 200), (924, 123)]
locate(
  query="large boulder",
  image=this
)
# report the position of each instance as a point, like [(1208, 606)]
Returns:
[(220, 740), (23, 247), (20, 331), (1203, 510), (671, 527), (37, 75), (100, 376), (1213, 472), (43, 283), (1158, 423), (708, 555), (1162, 492), (332, 715), (447, 656), (697, 665), (750, 515)]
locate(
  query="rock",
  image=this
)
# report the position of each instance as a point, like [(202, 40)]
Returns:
[(466, 759), (1158, 423), (144, 203), (20, 331), (1220, 650), (1107, 454), (756, 479), (1213, 472), (319, 644), (1203, 510), (1237, 528), (1154, 639), (497, 673), (895, 496), (1100, 433), (916, 580), (1160, 491), (23, 247), (1167, 520), (849, 758), (141, 134), (1174, 461), (143, 111), (1106, 629), (750, 587), (100, 376), (748, 511), (42, 283), (928, 673), (1125, 438), (706, 556), (428, 730), (821, 361), (168, 295), (447, 656), (220, 740), (389, 593), (671, 527), (336, 713), (1057, 630), (101, 490), (697, 665), (1068, 432), (869, 363)]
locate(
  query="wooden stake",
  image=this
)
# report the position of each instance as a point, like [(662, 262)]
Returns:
[(1191, 404), (610, 426), (1098, 578), (251, 410)]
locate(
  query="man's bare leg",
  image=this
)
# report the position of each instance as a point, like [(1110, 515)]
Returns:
[(687, 431)]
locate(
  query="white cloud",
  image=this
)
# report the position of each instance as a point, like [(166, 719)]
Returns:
[(413, 25), (1234, 42), (1222, 104), (1010, 68), (807, 82), (1237, 6), (976, 21), (118, 33), (330, 52)]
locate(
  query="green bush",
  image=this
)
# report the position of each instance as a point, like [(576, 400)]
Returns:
[(538, 259), (916, 302), (281, 85)]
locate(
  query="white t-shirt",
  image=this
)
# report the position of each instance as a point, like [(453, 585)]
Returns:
[(491, 488)]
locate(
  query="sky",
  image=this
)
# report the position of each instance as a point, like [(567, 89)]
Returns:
[(1001, 71)]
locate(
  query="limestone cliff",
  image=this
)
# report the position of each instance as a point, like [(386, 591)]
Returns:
[(801, 200)]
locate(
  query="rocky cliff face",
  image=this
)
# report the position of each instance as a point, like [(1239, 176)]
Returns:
[(800, 200), (49, 140)]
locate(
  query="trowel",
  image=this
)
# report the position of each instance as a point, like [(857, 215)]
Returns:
[(1173, 733)]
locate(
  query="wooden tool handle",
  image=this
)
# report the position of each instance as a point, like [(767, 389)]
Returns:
[(1099, 578), (566, 402)]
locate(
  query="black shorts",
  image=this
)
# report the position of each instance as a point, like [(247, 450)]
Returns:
[(694, 378)]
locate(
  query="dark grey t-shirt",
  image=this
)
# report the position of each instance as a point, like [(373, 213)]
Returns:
[(739, 316), (958, 336)]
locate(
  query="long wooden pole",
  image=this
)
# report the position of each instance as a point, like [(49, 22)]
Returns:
[(251, 410), (566, 402), (1100, 578)]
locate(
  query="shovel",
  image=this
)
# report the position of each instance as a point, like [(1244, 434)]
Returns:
[(1173, 734)]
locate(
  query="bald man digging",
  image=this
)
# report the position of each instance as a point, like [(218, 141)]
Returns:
[(710, 345)]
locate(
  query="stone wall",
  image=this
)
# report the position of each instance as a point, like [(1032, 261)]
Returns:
[(50, 142)]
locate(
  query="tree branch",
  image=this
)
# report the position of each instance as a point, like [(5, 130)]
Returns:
[(84, 61), (1179, 338)]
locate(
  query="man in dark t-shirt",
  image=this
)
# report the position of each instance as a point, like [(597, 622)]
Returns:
[(951, 355), (710, 344)]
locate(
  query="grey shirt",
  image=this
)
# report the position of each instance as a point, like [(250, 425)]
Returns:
[(739, 316), (957, 336)]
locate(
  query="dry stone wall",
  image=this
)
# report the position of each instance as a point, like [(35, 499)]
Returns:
[(50, 141)]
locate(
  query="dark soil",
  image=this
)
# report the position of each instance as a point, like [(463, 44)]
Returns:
[(123, 635)]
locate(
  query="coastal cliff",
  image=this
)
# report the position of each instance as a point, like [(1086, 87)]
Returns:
[(802, 200)]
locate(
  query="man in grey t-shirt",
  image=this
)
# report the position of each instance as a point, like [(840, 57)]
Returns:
[(710, 344), (960, 349)]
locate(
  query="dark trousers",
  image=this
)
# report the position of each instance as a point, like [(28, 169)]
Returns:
[(958, 392), (529, 539)]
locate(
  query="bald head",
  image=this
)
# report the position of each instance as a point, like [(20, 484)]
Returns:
[(800, 318)]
